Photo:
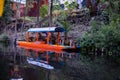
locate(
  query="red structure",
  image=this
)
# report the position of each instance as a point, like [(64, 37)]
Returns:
[(33, 11), (18, 8), (92, 6)]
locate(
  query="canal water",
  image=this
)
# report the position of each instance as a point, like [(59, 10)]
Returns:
[(14, 63)]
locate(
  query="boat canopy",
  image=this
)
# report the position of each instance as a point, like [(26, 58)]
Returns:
[(47, 29)]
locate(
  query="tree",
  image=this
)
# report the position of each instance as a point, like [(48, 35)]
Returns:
[(61, 21), (108, 36), (50, 12), (7, 13)]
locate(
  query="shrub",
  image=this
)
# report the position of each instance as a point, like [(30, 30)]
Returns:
[(4, 38), (104, 34), (100, 37)]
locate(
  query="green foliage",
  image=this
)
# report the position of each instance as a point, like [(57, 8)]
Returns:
[(7, 12), (4, 38), (112, 8), (103, 36), (63, 22), (71, 5), (111, 37), (57, 7), (67, 5), (63, 15), (102, 1), (66, 25), (43, 10)]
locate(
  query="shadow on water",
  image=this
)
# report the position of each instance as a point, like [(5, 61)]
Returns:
[(14, 63), (4, 68)]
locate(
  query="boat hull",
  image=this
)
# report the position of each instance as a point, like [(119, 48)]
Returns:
[(40, 46), (45, 47)]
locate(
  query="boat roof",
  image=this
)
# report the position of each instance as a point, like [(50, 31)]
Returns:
[(47, 29)]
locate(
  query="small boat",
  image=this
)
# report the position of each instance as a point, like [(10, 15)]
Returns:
[(40, 63), (45, 44)]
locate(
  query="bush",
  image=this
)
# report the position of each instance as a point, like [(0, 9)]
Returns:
[(43, 11), (100, 37), (104, 36), (4, 38)]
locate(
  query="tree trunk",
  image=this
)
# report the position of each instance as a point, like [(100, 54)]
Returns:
[(50, 12), (66, 39), (92, 6), (38, 13)]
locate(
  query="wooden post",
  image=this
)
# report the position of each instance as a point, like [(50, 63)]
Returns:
[(37, 55), (48, 37), (27, 52), (56, 55), (37, 36), (47, 57), (38, 12), (50, 12)]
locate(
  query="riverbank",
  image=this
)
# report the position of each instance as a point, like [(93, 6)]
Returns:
[(75, 32)]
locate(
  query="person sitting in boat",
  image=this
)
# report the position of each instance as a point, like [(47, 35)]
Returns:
[(48, 35), (53, 38), (39, 36), (31, 39)]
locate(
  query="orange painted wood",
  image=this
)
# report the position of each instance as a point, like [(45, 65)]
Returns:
[(40, 46)]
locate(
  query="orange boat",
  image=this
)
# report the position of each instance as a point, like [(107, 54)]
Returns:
[(45, 44)]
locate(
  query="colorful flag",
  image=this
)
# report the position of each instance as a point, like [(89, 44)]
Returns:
[(1, 7)]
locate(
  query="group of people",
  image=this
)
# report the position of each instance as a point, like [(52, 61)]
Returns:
[(52, 38)]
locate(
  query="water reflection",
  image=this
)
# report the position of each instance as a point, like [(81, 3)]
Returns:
[(53, 59), (17, 65)]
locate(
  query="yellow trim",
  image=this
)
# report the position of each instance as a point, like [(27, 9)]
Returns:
[(1, 7)]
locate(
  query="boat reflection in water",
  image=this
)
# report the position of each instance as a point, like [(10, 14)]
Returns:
[(47, 59), (21, 61), (16, 73), (40, 63), (15, 69)]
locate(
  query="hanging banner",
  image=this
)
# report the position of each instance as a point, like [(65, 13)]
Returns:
[(1, 7)]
